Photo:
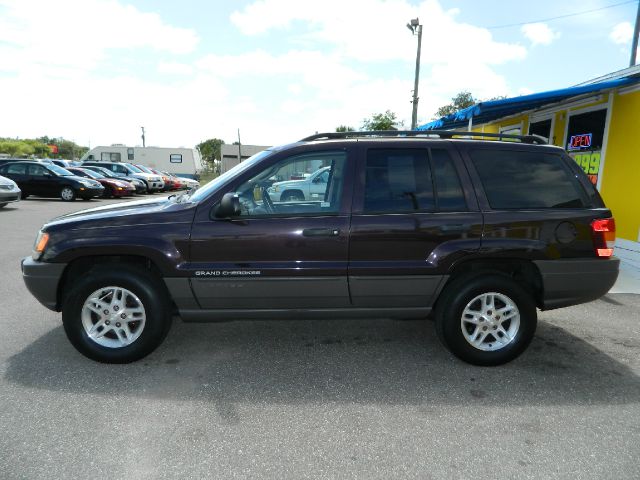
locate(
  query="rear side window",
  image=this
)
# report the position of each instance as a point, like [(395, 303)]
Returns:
[(17, 169), (518, 179), (398, 180)]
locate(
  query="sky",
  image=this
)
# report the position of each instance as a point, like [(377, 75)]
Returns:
[(95, 71)]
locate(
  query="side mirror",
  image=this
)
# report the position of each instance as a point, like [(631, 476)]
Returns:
[(229, 206)]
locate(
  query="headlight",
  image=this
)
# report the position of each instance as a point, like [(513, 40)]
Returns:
[(39, 245), (86, 183), (274, 188)]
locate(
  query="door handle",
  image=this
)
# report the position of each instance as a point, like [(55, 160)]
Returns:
[(320, 232), (455, 228)]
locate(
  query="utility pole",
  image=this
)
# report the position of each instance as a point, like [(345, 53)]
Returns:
[(239, 147), (413, 26), (634, 44), (143, 139)]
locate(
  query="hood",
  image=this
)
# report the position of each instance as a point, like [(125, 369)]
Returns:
[(115, 214), (6, 181)]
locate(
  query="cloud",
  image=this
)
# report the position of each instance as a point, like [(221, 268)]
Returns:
[(76, 34), (77, 64), (622, 33), (539, 33), (366, 30)]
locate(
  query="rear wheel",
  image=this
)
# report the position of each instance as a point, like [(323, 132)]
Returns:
[(117, 315), (67, 194), (486, 319)]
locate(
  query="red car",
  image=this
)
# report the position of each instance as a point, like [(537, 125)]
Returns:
[(112, 186)]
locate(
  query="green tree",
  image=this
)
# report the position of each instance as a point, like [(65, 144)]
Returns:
[(382, 121), (460, 101), (210, 150), (16, 148), (344, 128)]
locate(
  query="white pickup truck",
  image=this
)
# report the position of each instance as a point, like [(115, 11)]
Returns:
[(311, 188)]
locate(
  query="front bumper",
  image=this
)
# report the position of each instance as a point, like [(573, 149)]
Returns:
[(574, 281), (8, 196), (90, 192), (42, 280)]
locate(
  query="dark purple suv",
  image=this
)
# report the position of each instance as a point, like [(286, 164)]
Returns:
[(480, 233)]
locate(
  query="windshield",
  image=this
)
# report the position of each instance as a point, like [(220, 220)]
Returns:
[(144, 169), (63, 172), (92, 173), (132, 168), (214, 184)]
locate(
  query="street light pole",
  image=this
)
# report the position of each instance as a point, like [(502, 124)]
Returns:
[(413, 26)]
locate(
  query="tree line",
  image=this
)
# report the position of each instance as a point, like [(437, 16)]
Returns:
[(41, 147)]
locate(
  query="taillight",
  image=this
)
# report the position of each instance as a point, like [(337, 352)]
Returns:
[(604, 236)]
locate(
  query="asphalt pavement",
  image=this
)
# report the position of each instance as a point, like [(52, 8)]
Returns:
[(370, 399)]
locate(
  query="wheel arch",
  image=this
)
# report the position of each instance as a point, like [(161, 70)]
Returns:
[(523, 272)]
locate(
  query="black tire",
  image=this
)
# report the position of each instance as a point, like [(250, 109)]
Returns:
[(455, 298), (67, 194), (292, 196), (86, 199), (150, 291), (23, 195)]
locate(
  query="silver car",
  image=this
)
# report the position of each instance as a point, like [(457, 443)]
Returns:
[(9, 191)]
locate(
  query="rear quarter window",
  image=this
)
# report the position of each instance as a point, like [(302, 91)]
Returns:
[(527, 180)]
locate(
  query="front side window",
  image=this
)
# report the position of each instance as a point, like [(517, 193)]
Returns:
[(307, 184), (397, 181), (519, 179), (37, 170)]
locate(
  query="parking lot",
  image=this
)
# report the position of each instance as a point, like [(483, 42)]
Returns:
[(312, 399)]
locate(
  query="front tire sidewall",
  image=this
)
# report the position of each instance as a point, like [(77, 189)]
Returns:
[(449, 313), (150, 293), (69, 198)]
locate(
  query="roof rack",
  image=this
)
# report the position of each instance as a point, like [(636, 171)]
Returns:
[(444, 134)]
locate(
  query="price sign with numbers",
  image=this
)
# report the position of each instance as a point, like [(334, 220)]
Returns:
[(590, 163)]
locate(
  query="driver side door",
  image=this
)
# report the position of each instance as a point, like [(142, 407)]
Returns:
[(276, 255)]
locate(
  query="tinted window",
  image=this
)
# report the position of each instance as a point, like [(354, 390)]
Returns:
[(398, 180), (448, 187), (526, 180), (37, 170), (16, 168), (60, 171)]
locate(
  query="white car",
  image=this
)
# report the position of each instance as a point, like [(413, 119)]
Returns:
[(189, 182), (9, 191), (310, 188)]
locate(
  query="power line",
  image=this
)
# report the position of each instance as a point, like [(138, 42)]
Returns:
[(495, 27)]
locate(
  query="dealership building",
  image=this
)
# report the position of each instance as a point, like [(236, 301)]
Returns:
[(597, 122)]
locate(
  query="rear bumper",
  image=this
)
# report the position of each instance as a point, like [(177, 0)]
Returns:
[(42, 280), (574, 281)]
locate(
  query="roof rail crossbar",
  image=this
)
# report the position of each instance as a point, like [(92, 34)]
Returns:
[(444, 134)]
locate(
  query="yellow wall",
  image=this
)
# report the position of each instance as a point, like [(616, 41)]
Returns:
[(558, 128), (620, 186)]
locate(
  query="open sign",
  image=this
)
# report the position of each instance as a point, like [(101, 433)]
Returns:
[(576, 142)]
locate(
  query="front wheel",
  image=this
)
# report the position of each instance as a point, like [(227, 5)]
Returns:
[(67, 194), (486, 319), (117, 315)]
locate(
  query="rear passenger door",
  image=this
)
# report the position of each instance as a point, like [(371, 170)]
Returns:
[(414, 215)]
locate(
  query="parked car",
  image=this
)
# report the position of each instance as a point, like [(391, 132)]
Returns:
[(187, 183), (9, 191), (480, 233), (313, 187), (112, 186), (140, 185), (49, 180), (66, 163), (168, 184), (154, 182)]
